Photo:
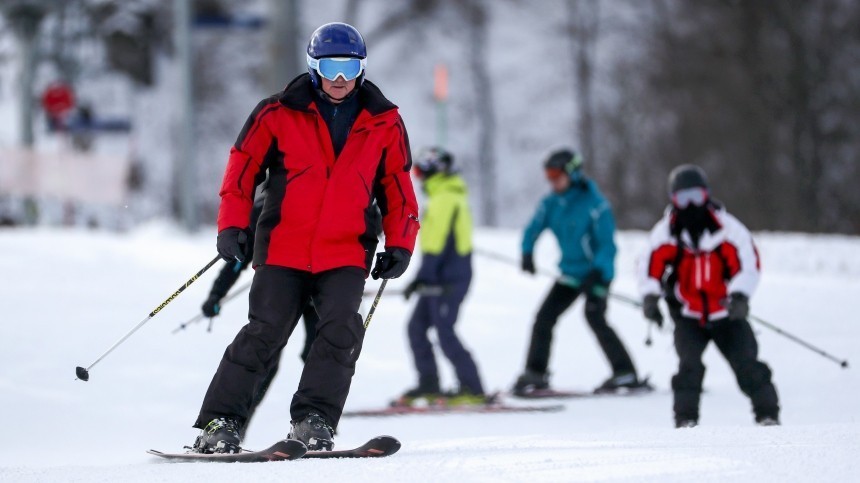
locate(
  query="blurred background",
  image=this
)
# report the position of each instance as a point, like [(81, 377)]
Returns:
[(114, 113)]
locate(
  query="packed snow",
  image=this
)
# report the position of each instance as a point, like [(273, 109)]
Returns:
[(68, 295)]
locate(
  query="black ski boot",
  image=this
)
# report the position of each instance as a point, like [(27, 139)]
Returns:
[(767, 420), (221, 435), (686, 423), (314, 432), (622, 381), (531, 381)]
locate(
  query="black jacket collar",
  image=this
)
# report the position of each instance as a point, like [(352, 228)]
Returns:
[(298, 95)]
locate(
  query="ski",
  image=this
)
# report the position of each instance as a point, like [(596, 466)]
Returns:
[(288, 449), (430, 410), (377, 447), (643, 388)]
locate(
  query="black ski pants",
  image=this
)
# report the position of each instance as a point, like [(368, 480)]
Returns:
[(559, 299), (737, 343), (278, 297), (309, 320)]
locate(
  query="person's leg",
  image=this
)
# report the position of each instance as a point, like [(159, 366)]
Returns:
[(447, 310), (613, 348), (557, 301), (328, 372), (736, 341), (275, 302), (310, 318), (422, 349), (690, 342)]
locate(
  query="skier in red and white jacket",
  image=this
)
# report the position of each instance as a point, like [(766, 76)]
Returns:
[(704, 262)]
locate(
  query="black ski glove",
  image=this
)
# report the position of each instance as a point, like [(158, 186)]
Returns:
[(391, 263), (593, 284), (212, 306), (651, 310), (738, 306), (424, 289), (232, 244), (410, 289), (528, 263)]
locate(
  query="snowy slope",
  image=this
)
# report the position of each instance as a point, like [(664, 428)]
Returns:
[(66, 296)]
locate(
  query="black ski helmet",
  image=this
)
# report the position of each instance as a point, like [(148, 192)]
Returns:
[(433, 160), (565, 160), (687, 176)]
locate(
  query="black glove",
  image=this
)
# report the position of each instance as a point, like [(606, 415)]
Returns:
[(651, 310), (212, 306), (528, 263), (424, 289), (410, 289), (593, 284), (738, 306), (233, 244), (391, 263)]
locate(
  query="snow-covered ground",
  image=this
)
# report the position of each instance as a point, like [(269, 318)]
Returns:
[(66, 296)]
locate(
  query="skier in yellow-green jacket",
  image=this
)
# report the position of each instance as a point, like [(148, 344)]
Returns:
[(443, 279)]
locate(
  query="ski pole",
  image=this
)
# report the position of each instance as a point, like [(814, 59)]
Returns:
[(546, 273), (84, 374), (199, 317), (648, 341), (375, 303), (842, 363)]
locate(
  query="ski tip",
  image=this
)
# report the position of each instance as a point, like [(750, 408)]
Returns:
[(382, 445)]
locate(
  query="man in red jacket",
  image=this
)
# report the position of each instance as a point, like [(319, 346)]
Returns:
[(332, 144), (704, 262)]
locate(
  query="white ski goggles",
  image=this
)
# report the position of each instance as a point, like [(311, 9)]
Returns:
[(685, 197), (333, 67)]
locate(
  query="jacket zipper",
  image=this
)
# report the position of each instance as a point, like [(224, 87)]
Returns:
[(409, 220)]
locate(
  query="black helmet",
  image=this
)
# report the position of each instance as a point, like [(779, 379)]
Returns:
[(565, 160), (687, 176), (433, 160)]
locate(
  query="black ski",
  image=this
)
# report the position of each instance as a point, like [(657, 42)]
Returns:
[(288, 449), (430, 410), (375, 448), (643, 388)]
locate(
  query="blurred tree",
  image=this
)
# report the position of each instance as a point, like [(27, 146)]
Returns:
[(583, 25), (761, 94), (417, 15)]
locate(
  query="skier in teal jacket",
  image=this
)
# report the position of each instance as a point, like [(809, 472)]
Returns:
[(581, 220)]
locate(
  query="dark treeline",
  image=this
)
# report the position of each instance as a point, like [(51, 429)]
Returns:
[(764, 95)]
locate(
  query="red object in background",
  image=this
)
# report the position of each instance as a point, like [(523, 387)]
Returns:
[(440, 82), (58, 99)]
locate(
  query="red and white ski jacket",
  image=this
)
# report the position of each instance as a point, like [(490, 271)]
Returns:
[(726, 261), (318, 213)]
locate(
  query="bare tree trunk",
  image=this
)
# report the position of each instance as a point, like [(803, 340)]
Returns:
[(583, 27), (350, 14), (477, 17), (285, 47)]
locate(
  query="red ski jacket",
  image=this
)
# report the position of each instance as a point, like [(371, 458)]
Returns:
[(318, 213), (725, 261)]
